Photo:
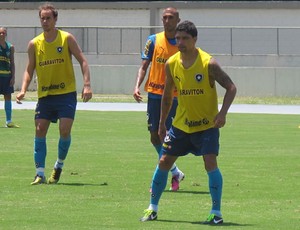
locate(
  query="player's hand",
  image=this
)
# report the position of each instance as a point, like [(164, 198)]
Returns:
[(162, 132), (86, 93), (20, 97), (219, 121), (137, 95)]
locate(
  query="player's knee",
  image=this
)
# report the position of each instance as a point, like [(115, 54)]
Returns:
[(210, 162), (166, 162), (7, 97), (65, 132)]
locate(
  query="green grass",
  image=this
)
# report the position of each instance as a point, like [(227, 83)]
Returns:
[(107, 174)]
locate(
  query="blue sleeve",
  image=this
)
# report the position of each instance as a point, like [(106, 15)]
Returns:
[(149, 48), (8, 44)]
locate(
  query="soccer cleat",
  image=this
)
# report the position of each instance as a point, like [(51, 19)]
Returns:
[(39, 180), (12, 125), (55, 175), (212, 219), (149, 215), (175, 181)]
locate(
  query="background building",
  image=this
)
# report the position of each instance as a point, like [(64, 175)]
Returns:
[(257, 42)]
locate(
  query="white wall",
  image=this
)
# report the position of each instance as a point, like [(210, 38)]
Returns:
[(277, 14)]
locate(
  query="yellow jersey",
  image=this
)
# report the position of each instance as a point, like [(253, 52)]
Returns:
[(197, 100), (54, 67)]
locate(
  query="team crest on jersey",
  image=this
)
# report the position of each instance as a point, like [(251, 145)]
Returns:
[(62, 85), (59, 49), (199, 77)]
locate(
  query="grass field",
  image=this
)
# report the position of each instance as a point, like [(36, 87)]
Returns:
[(108, 171)]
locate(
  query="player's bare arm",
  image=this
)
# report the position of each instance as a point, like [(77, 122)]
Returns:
[(76, 51), (217, 74), (139, 80)]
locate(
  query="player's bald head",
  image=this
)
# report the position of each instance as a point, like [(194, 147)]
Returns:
[(171, 11)]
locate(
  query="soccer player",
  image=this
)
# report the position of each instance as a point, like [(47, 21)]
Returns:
[(49, 54), (7, 75), (159, 47), (195, 128)]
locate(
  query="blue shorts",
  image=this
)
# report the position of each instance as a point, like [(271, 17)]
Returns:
[(54, 107), (179, 143), (5, 87), (153, 113)]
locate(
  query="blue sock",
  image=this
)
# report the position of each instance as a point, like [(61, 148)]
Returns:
[(63, 147), (215, 187), (159, 182), (40, 152), (7, 107)]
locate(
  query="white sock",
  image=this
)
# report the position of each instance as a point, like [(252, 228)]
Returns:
[(40, 171), (153, 207), (59, 164), (174, 170), (216, 212)]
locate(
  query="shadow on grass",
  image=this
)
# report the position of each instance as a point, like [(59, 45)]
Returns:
[(225, 224), (183, 191), (83, 184)]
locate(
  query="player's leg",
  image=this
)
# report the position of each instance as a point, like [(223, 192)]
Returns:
[(65, 126), (215, 182), (40, 150), (159, 182), (8, 90), (64, 143), (210, 144), (66, 113), (180, 146), (7, 107), (177, 174), (153, 113)]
